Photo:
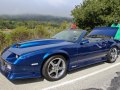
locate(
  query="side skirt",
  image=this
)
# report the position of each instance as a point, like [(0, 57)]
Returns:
[(86, 63)]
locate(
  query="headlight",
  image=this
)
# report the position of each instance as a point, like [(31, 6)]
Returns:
[(17, 56), (8, 66)]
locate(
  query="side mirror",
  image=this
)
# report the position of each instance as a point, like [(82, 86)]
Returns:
[(84, 42)]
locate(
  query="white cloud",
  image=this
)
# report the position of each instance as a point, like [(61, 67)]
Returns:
[(45, 7), (56, 3)]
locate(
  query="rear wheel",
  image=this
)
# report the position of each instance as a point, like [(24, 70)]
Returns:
[(112, 55), (55, 68)]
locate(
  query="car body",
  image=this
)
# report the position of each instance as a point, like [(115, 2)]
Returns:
[(26, 59)]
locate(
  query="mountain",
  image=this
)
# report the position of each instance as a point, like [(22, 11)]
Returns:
[(41, 18)]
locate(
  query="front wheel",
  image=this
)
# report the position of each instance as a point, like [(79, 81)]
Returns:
[(55, 68), (112, 55)]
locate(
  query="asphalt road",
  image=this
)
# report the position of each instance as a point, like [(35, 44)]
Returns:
[(103, 76)]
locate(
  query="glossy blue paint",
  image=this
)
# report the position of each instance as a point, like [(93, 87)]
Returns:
[(107, 31), (21, 56)]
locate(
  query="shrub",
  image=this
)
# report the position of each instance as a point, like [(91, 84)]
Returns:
[(41, 32), (2, 39), (20, 34)]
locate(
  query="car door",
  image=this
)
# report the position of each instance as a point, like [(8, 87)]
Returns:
[(99, 48), (91, 52)]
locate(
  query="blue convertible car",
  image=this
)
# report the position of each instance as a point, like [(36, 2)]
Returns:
[(52, 58)]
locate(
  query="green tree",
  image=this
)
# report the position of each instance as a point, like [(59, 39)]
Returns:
[(93, 13)]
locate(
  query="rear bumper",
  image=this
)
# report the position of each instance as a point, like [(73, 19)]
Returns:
[(119, 47), (118, 42), (19, 75)]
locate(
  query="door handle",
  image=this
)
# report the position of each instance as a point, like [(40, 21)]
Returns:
[(104, 44), (98, 45)]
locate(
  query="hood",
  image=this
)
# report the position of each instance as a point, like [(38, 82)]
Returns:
[(29, 46), (106, 31), (33, 43)]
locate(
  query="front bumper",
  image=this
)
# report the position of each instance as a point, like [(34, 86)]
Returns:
[(19, 72), (4, 69)]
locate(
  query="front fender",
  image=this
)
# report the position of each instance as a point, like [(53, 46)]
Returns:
[(51, 53)]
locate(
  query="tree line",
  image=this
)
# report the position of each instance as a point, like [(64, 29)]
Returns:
[(31, 24)]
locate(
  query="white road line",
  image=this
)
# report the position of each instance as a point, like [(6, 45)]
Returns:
[(80, 78)]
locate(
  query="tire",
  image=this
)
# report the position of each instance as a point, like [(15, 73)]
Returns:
[(54, 68), (112, 55)]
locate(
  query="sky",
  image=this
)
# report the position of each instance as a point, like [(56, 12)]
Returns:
[(43, 7)]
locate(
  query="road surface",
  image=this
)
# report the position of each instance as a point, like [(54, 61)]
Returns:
[(103, 76)]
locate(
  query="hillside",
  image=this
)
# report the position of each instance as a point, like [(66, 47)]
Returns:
[(41, 18)]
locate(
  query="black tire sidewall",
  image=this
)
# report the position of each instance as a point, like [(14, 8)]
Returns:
[(109, 57), (45, 67)]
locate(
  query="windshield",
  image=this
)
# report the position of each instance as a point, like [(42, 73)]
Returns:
[(68, 35)]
